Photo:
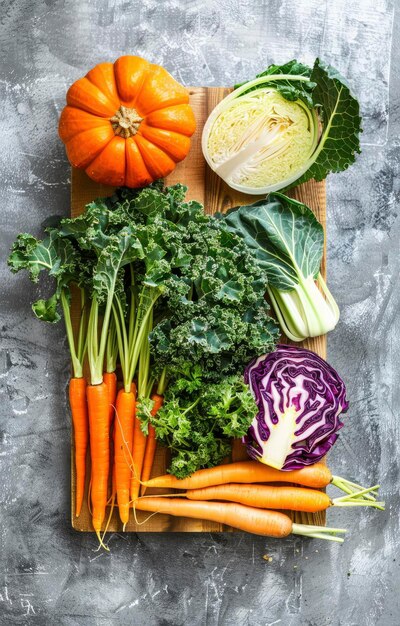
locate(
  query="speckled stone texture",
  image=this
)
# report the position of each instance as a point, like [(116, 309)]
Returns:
[(50, 575)]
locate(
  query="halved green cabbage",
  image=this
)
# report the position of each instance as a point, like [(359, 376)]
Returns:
[(288, 125), (261, 139)]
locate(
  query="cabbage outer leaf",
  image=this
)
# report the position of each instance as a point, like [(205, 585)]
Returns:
[(340, 114)]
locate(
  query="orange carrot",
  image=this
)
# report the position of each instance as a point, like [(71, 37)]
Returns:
[(99, 429), (79, 412), (139, 448), (316, 476), (151, 443), (123, 444), (249, 519), (244, 518), (265, 497), (110, 379), (282, 497)]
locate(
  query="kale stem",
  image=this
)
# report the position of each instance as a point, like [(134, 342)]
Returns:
[(189, 408)]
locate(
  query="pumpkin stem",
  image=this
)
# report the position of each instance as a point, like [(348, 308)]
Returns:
[(126, 122)]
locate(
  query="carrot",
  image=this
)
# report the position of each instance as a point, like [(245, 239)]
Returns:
[(273, 497), (123, 444), (151, 443), (99, 429), (110, 379), (145, 384), (265, 497), (79, 413), (249, 519), (138, 453), (316, 476)]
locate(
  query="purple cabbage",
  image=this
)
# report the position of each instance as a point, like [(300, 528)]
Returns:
[(299, 399)]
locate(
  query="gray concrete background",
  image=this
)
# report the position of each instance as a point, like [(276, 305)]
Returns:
[(48, 573)]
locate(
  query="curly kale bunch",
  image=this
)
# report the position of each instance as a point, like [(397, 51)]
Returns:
[(222, 320), (210, 321), (199, 419)]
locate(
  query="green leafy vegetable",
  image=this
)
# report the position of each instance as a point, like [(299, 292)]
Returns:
[(198, 419), (341, 122), (287, 241), (222, 320), (286, 83), (61, 261)]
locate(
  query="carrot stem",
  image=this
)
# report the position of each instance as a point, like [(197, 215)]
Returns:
[(82, 334), (112, 347), (76, 363), (132, 308), (318, 532), (356, 499), (162, 383), (351, 488)]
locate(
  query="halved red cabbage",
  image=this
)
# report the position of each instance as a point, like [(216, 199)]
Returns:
[(299, 399)]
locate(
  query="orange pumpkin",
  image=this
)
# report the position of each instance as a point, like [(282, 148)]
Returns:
[(127, 123)]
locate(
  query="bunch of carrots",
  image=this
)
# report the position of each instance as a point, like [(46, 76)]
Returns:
[(105, 414), (104, 265)]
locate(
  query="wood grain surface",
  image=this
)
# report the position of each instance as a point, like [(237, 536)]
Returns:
[(205, 186)]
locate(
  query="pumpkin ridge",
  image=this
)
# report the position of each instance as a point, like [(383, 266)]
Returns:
[(148, 158), (104, 89), (130, 104), (75, 152), (138, 87)]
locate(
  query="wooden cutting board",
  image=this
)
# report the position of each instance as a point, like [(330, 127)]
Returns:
[(205, 186)]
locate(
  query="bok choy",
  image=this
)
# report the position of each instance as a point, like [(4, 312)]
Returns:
[(287, 242)]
